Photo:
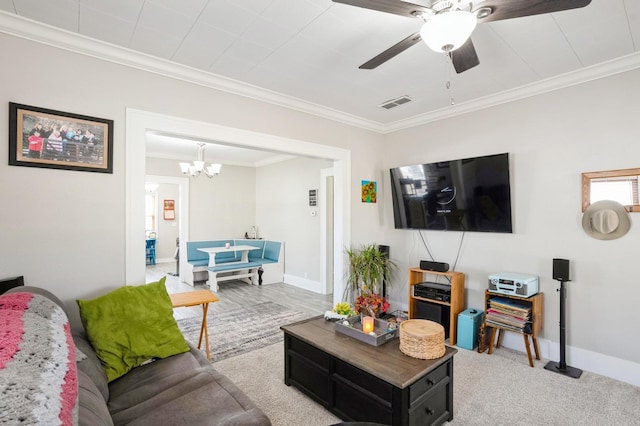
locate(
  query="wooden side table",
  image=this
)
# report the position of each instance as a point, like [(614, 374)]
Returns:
[(536, 323), (193, 298)]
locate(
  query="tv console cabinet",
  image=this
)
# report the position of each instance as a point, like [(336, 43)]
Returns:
[(366, 383)]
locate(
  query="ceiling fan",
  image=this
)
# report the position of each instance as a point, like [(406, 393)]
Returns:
[(449, 23)]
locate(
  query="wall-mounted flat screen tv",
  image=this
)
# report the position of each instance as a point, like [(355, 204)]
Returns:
[(472, 194)]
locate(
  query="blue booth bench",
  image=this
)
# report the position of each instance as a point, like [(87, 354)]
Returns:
[(265, 265)]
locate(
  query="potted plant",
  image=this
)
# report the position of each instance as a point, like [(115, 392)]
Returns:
[(368, 267)]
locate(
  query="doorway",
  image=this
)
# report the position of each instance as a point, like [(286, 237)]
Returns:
[(327, 231), (167, 230), (139, 122)]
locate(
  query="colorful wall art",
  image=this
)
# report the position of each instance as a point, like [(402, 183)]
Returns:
[(369, 191)]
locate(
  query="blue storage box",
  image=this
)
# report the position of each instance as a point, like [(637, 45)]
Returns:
[(469, 322)]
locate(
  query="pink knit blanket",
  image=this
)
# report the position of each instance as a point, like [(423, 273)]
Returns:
[(38, 376)]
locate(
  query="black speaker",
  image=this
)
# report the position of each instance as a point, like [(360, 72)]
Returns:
[(434, 312), (427, 265), (385, 251), (561, 270)]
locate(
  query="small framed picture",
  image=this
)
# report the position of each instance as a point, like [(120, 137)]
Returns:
[(169, 209), (40, 137), (369, 191)]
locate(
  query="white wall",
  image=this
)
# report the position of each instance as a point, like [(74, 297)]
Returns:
[(551, 139), (282, 199), (66, 230)]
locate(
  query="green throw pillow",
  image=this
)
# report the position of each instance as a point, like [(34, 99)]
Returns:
[(130, 326)]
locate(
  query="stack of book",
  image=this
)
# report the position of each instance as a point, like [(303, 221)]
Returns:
[(509, 314)]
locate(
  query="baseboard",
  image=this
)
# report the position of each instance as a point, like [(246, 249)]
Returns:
[(303, 283), (604, 365), (166, 260)]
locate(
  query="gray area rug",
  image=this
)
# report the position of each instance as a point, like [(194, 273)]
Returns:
[(247, 329), (498, 389)]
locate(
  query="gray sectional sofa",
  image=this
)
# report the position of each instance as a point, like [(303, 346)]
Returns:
[(183, 389)]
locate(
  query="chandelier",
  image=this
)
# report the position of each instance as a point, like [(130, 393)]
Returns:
[(198, 167)]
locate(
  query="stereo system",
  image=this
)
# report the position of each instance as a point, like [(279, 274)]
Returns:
[(427, 265), (513, 284), (433, 291)]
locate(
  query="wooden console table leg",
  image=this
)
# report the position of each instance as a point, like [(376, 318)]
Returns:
[(492, 339), (526, 345), (535, 347)]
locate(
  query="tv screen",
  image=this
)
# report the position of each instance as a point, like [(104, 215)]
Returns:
[(472, 194)]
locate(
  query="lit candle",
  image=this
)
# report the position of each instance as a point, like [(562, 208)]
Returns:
[(367, 324)]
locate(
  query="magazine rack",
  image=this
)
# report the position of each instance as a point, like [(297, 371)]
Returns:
[(535, 302)]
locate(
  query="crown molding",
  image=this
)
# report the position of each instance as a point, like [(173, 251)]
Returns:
[(573, 78), (56, 37), (42, 33)]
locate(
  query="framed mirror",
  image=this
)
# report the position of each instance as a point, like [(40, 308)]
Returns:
[(617, 185)]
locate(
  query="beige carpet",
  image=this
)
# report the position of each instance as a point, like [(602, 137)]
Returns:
[(498, 389)]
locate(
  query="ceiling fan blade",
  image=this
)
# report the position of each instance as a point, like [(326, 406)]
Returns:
[(391, 52), (465, 57), (507, 9), (389, 6)]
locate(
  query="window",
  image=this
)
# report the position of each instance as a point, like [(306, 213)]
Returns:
[(623, 191), (616, 185), (151, 209)]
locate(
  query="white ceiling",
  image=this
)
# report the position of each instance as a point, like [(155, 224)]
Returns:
[(310, 50), (178, 148)]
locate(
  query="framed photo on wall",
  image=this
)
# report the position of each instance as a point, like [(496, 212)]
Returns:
[(169, 209), (40, 137)]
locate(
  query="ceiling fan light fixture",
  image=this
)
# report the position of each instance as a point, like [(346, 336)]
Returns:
[(447, 31)]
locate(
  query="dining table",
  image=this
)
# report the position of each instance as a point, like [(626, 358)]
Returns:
[(243, 248)]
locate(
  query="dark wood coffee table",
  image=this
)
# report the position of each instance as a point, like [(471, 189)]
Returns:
[(361, 382)]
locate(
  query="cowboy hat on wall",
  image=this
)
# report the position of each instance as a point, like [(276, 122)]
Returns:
[(606, 220)]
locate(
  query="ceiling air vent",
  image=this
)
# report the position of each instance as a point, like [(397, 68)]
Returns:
[(395, 102)]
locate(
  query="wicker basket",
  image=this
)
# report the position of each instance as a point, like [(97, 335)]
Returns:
[(422, 339)]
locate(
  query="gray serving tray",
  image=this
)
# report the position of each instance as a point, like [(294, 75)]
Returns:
[(383, 335)]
